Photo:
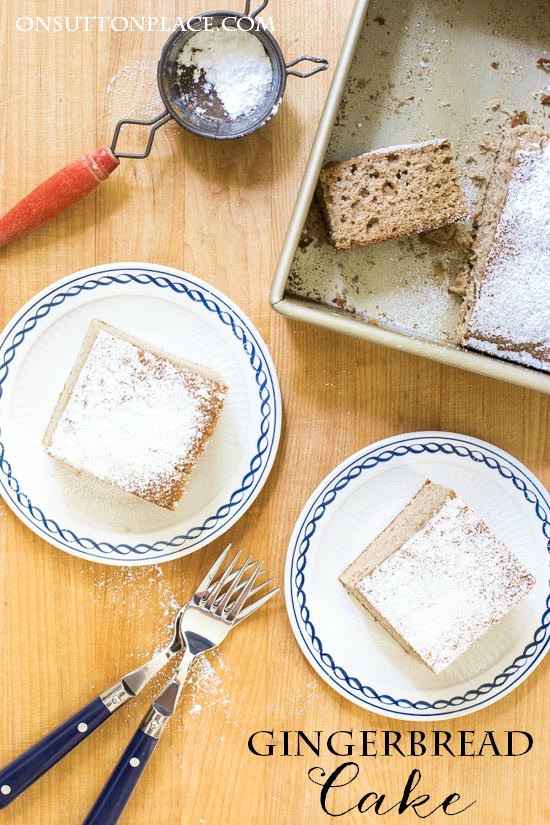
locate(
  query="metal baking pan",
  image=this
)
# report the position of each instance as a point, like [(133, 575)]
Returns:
[(413, 71)]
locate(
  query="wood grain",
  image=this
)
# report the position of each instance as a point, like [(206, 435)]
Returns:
[(68, 629)]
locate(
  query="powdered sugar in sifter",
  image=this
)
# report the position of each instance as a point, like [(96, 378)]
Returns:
[(189, 99)]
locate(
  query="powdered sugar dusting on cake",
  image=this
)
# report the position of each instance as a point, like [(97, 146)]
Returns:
[(511, 314), (446, 585), (134, 418), (402, 147)]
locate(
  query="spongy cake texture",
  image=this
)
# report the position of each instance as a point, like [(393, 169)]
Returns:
[(391, 192)]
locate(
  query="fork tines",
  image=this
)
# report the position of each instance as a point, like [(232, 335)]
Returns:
[(228, 595)]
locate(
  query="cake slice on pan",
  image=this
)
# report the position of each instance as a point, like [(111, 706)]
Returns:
[(388, 193)]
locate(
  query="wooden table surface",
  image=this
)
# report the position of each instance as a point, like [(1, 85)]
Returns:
[(68, 628)]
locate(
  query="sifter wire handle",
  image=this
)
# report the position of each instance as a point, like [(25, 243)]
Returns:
[(155, 123), (255, 13), (322, 67)]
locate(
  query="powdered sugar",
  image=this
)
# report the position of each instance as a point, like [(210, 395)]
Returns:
[(447, 585), (400, 147), (133, 418), (207, 690), (234, 63), (305, 701), (133, 91), (141, 597), (148, 598), (512, 309)]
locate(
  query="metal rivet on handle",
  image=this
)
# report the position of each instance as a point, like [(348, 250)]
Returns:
[(134, 762), (5, 789), (82, 727)]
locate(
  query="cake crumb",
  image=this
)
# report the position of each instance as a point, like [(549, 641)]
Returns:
[(485, 146), (519, 119)]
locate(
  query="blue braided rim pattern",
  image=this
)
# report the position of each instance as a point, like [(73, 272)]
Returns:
[(462, 449), (266, 441)]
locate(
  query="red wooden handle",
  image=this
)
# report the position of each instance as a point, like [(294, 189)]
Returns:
[(57, 193)]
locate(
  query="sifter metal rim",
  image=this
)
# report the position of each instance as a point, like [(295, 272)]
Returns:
[(273, 50)]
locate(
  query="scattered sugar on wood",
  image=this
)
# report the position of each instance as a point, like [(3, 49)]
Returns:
[(207, 691), (133, 91), (142, 596), (303, 700)]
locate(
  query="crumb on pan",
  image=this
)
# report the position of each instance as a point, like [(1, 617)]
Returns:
[(519, 119)]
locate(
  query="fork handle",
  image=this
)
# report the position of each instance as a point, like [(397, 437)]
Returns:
[(114, 797), (33, 763)]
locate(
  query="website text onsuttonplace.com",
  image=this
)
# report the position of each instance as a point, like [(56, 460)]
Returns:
[(52, 25)]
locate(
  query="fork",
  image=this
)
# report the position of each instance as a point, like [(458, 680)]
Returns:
[(29, 766), (218, 605)]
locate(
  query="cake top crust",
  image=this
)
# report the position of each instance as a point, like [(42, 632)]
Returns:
[(135, 418), (512, 306), (447, 584)]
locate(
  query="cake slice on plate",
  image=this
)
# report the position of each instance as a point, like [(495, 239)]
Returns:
[(391, 192), (134, 416), (506, 310), (437, 578)]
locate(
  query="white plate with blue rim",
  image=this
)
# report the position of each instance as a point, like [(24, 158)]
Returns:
[(175, 312), (353, 653)]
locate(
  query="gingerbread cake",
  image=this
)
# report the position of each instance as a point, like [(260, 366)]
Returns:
[(133, 416), (506, 310), (388, 193), (437, 578)]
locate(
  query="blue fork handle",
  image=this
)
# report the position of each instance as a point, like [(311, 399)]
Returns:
[(31, 765), (119, 788)]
